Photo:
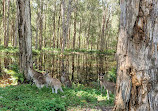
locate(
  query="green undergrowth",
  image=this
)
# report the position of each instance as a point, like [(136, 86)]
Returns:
[(57, 51), (67, 51), (16, 50), (9, 49), (26, 97), (112, 75)]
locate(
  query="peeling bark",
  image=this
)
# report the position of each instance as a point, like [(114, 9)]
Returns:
[(137, 56), (25, 37)]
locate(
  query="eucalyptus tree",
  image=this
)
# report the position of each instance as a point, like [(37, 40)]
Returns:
[(25, 37), (137, 56), (65, 21)]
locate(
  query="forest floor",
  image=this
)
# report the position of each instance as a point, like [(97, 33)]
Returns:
[(28, 97)]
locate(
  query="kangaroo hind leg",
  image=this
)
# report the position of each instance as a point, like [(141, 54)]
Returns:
[(61, 89)]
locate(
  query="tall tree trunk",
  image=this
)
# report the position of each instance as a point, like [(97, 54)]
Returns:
[(137, 56), (73, 68), (7, 33), (106, 32), (102, 29), (12, 31), (45, 26), (16, 28), (79, 41), (75, 19), (58, 32), (99, 35), (85, 35), (89, 26), (25, 37), (37, 28), (4, 20), (69, 36), (41, 25), (65, 24), (54, 26)]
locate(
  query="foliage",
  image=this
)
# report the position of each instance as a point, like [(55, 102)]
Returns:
[(29, 98), (16, 76), (85, 10), (112, 75), (9, 49), (56, 51)]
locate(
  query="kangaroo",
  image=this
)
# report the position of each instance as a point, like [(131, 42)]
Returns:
[(38, 78), (109, 86), (65, 80), (53, 82)]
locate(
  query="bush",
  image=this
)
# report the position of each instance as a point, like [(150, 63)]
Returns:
[(112, 75)]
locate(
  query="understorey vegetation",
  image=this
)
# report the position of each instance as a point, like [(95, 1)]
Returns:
[(28, 97)]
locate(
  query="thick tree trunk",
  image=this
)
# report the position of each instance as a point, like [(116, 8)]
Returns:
[(25, 37), (137, 56)]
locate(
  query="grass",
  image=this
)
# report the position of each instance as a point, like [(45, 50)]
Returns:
[(26, 97)]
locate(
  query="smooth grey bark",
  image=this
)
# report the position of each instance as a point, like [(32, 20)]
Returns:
[(137, 57), (25, 37)]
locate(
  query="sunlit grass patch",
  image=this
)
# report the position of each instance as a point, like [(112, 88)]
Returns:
[(11, 76)]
